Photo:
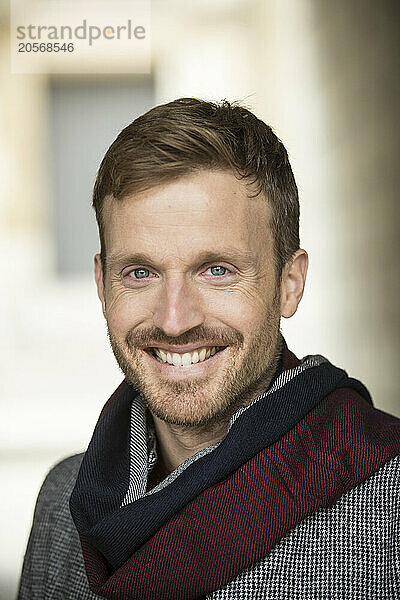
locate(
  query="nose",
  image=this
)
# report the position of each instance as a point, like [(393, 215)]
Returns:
[(178, 309)]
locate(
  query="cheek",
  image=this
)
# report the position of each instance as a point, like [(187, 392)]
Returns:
[(238, 309), (125, 310)]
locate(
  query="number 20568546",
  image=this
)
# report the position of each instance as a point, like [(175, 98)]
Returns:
[(45, 47)]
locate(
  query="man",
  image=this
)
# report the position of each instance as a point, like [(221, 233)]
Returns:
[(223, 466)]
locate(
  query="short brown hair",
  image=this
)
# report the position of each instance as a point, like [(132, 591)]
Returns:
[(186, 135)]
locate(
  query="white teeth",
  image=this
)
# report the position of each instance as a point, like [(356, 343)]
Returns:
[(176, 360), (185, 359)]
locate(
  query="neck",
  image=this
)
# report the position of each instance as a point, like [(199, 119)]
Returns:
[(177, 443)]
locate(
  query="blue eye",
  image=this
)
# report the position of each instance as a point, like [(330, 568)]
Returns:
[(140, 273), (218, 271), (138, 277)]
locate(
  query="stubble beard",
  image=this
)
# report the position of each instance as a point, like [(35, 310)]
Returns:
[(204, 402)]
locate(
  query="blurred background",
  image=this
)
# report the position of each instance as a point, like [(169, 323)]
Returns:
[(325, 75)]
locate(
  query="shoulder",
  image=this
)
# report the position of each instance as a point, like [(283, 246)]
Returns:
[(57, 487), (384, 486), (64, 471), (61, 478), (53, 565)]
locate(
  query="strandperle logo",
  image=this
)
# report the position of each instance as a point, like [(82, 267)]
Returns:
[(80, 36), (84, 31)]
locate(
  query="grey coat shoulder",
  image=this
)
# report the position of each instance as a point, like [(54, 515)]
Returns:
[(60, 481), (53, 565)]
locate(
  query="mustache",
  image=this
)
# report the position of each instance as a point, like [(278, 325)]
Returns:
[(154, 336)]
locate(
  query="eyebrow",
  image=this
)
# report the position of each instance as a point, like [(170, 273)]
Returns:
[(243, 257), (232, 255), (120, 258)]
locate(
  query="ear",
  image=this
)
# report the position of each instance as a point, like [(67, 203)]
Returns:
[(292, 282), (98, 275)]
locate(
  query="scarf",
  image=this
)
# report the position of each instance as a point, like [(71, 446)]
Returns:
[(312, 436)]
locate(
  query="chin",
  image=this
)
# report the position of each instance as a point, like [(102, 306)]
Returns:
[(189, 407)]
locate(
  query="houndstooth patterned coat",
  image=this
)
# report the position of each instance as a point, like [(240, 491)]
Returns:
[(350, 551)]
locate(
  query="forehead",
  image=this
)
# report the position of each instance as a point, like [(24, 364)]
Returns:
[(203, 211)]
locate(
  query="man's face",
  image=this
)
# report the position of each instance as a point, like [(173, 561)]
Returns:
[(190, 295)]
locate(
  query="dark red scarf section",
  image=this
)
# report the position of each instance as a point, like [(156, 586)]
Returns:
[(231, 525)]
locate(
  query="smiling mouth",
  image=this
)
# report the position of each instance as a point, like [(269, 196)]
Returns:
[(184, 359)]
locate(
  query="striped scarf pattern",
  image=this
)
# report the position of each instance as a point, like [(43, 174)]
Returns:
[(300, 446)]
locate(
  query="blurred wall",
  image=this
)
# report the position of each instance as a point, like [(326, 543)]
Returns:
[(325, 75), (340, 118)]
